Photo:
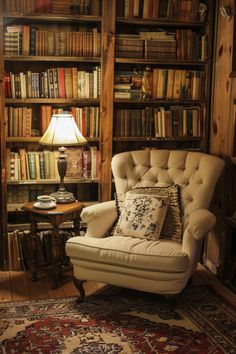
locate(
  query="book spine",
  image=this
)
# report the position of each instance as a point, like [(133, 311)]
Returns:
[(32, 164), (46, 154), (41, 165), (86, 164)]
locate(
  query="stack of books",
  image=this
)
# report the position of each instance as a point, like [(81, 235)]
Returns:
[(159, 45), (128, 84), (13, 40), (183, 44), (129, 46)]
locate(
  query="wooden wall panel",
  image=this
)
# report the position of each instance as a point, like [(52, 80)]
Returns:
[(218, 250), (231, 141), (222, 82)]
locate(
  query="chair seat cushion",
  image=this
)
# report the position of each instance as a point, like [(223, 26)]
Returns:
[(160, 256)]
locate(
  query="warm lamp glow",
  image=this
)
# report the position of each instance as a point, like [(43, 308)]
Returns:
[(62, 131)]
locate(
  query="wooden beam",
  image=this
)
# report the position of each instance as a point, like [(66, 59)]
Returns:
[(3, 197), (106, 114)]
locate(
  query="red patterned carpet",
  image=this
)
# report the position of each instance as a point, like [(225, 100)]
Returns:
[(127, 322)]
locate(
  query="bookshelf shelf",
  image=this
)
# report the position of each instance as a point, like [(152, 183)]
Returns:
[(52, 181), (157, 102), (160, 62), (137, 138), (36, 139), (52, 59), (52, 18), (163, 24), (64, 101)]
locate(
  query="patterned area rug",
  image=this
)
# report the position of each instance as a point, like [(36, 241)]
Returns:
[(125, 322)]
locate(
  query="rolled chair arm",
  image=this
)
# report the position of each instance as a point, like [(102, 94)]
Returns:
[(99, 218), (200, 222)]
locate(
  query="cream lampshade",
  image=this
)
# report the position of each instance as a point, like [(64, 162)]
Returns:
[(62, 131)]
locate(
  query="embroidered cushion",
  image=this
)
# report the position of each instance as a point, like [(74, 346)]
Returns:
[(172, 228), (142, 216)]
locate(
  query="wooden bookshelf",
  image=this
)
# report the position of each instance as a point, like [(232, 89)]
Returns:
[(86, 28), (111, 25), (197, 29)]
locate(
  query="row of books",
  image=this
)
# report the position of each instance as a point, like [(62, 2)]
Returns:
[(57, 82), (38, 165), (27, 193), (18, 120), (181, 10), (80, 7), (28, 40), (178, 84), (161, 122), (162, 84), (86, 118), (179, 45), (20, 251), (17, 241)]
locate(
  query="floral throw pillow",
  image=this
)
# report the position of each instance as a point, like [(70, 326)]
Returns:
[(142, 216), (172, 228)]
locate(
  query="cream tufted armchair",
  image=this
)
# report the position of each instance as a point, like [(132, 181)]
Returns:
[(162, 266)]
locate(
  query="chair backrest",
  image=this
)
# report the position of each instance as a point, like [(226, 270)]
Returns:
[(195, 172)]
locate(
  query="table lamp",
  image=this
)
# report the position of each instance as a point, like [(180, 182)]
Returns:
[(62, 131)]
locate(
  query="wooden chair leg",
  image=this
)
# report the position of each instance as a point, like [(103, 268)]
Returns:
[(173, 300), (190, 281), (79, 285)]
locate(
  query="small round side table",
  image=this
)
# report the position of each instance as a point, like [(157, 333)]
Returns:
[(60, 214)]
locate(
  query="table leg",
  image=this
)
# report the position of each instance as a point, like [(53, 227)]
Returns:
[(77, 226), (33, 247), (56, 256)]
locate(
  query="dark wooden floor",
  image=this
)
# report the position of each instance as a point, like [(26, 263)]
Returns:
[(18, 286)]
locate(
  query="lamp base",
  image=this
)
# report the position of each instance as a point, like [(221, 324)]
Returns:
[(63, 197)]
